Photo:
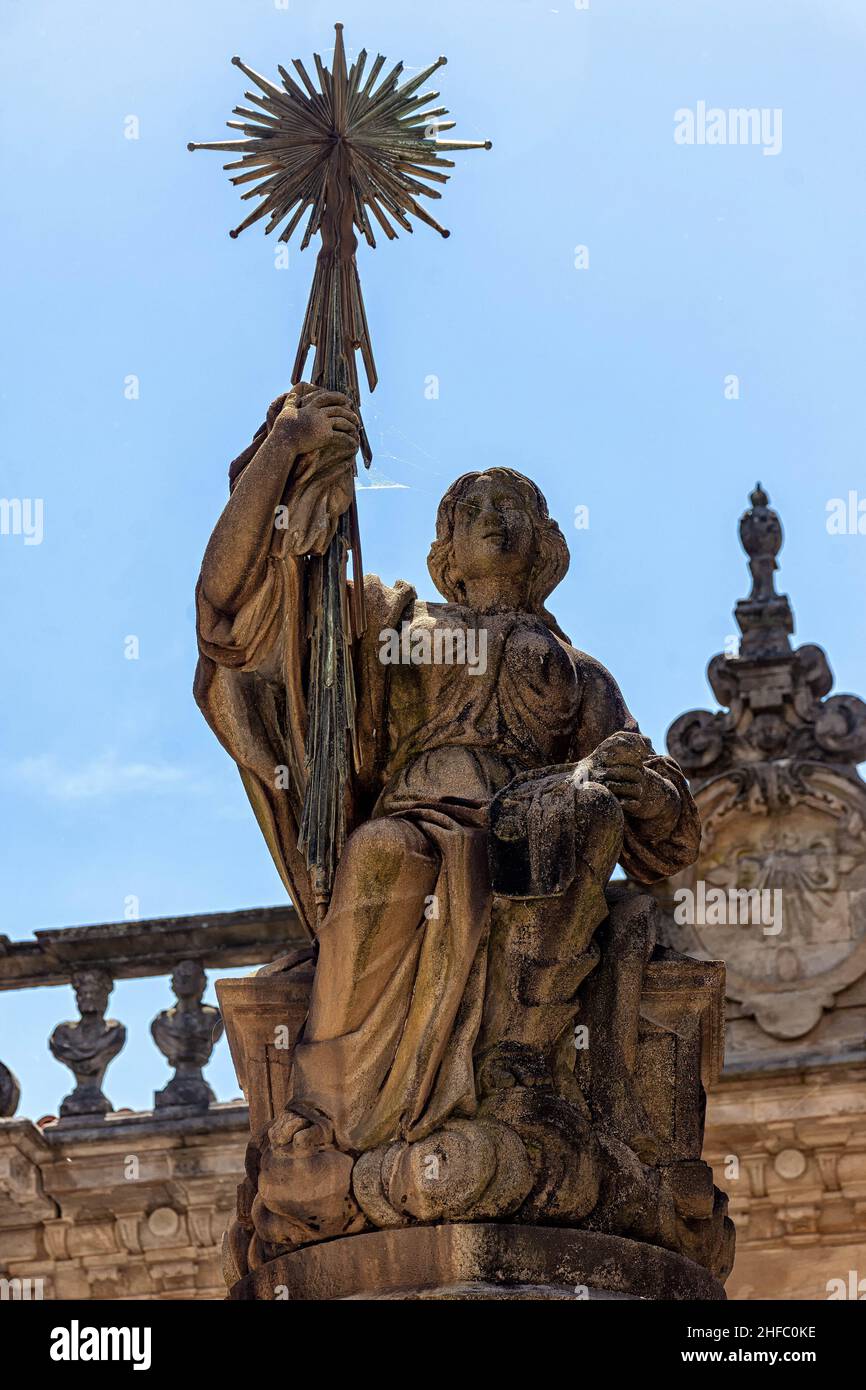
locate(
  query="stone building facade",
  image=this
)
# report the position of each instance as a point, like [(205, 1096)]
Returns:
[(779, 894)]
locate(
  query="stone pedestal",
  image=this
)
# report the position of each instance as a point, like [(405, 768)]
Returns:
[(482, 1261), (263, 1016), (648, 1223)]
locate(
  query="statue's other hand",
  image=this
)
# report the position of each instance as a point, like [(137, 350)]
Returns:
[(618, 765), (533, 817), (312, 420)]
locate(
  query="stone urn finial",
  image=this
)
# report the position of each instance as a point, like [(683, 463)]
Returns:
[(778, 700), (761, 536), (764, 618)]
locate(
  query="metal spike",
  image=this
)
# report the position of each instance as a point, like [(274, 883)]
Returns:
[(463, 144), (263, 82), (304, 76), (378, 64)]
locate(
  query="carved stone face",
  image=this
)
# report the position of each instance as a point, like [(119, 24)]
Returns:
[(188, 980), (494, 530), (92, 989)]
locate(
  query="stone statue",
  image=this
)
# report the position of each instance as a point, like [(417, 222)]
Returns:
[(88, 1046), (472, 943), (185, 1034)]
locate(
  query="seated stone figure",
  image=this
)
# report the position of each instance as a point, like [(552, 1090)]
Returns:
[(436, 1077)]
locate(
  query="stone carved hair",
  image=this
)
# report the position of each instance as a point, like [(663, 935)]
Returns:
[(550, 565), (553, 558)]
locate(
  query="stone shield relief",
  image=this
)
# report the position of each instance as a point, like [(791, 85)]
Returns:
[(779, 890)]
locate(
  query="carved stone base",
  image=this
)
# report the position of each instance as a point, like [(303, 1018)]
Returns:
[(479, 1261), (86, 1105), (183, 1094)]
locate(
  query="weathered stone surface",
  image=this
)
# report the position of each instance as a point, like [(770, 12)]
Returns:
[(264, 1015), (776, 696), (185, 1034), (88, 1046), (779, 889), (790, 1150), (111, 1204), (149, 945), (783, 811), (496, 1261), (474, 1045), (131, 1207)]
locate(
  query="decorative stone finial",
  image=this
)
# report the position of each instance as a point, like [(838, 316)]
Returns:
[(185, 1034), (88, 1046), (765, 617), (761, 532), (774, 694), (782, 810)]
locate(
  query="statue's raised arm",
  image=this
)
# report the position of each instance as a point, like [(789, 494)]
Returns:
[(288, 491)]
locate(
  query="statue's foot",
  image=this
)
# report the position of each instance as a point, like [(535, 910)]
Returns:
[(304, 1183)]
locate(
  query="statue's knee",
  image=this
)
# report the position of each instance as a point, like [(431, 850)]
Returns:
[(382, 847)]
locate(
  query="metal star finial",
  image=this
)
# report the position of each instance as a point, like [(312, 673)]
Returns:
[(354, 146)]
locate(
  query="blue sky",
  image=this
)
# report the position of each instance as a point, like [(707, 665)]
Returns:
[(605, 384)]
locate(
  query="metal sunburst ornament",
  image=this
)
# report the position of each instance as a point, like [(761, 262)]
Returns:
[(354, 146)]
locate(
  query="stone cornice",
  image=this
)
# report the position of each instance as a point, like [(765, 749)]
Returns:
[(150, 946)]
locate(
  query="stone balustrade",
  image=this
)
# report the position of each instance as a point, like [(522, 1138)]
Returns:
[(92, 958), (105, 1203)]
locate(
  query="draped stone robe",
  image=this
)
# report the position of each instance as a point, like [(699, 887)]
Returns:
[(387, 1049)]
